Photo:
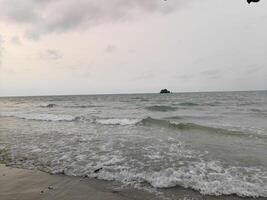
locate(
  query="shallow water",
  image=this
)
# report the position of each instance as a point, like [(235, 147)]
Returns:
[(212, 143)]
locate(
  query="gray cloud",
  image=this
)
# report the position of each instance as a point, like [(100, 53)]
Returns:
[(45, 16), (51, 54)]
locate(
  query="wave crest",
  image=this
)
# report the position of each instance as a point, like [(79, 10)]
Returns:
[(40, 117), (122, 122), (211, 178), (188, 126)]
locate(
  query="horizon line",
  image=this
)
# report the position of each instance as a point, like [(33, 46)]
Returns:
[(60, 95)]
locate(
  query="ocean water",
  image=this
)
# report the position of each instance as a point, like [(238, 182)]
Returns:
[(203, 144)]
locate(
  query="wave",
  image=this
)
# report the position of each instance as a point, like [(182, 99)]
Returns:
[(181, 126), (122, 122), (259, 112), (191, 104), (207, 177), (211, 178), (165, 123), (50, 105), (140, 99), (161, 108), (212, 104), (255, 110), (168, 124), (189, 126), (188, 104), (40, 117), (103, 160), (83, 106)]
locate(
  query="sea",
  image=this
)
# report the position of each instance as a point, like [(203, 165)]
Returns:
[(187, 146)]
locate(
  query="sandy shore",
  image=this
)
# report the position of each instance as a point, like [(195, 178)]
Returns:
[(21, 184)]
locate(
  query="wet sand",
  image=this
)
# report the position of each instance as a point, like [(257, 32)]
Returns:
[(21, 184)]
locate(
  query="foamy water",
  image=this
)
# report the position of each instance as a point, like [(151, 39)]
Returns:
[(213, 143)]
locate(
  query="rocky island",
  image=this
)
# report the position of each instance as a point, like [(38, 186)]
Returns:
[(165, 91)]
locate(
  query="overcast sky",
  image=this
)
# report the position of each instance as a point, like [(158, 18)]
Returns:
[(129, 46)]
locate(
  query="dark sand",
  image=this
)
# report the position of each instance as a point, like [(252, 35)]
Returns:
[(21, 184)]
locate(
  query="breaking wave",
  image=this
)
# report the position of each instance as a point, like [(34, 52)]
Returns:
[(207, 177), (40, 117), (191, 126), (122, 122), (181, 126), (211, 178)]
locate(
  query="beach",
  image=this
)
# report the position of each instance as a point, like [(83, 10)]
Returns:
[(24, 184)]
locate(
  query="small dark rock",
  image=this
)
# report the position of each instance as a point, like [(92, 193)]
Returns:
[(42, 192), (50, 187), (98, 170), (85, 176)]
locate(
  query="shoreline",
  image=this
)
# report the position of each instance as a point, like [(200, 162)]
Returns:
[(23, 184)]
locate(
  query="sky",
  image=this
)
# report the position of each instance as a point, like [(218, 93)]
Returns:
[(58, 47)]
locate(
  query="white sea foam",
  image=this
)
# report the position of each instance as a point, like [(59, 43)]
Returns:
[(122, 122), (208, 177), (199, 177), (39, 116), (212, 179)]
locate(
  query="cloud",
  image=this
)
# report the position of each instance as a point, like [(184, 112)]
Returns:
[(110, 48), (51, 54), (46, 16)]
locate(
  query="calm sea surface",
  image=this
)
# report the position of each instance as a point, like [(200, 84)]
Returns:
[(210, 143)]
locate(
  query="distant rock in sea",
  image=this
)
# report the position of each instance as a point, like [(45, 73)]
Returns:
[(165, 91)]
